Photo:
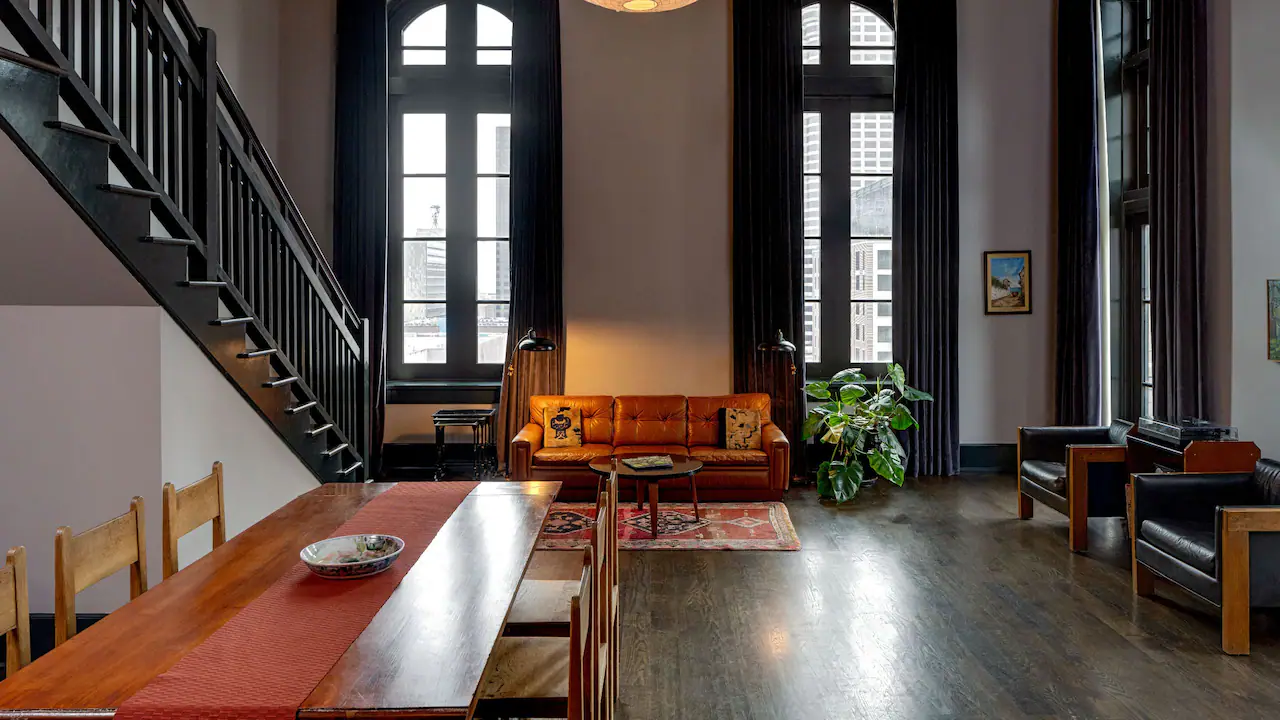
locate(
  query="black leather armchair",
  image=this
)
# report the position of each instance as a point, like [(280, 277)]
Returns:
[(1078, 471), (1216, 535)]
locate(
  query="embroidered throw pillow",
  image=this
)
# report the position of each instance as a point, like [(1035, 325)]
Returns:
[(740, 429), (561, 427)]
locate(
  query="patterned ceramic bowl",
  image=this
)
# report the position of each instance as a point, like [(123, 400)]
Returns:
[(352, 556)]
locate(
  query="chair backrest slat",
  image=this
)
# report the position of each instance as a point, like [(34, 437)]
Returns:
[(189, 508), (583, 648), (15, 617), (83, 560)]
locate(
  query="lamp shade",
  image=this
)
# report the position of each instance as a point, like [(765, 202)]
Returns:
[(778, 344), (532, 343), (639, 6)]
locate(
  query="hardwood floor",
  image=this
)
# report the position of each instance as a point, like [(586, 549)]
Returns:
[(931, 601)]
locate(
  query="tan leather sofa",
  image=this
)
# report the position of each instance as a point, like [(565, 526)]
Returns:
[(656, 424)]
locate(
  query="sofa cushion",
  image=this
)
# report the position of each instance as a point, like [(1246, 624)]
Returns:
[(1051, 476), (571, 455), (649, 420), (674, 450), (704, 415), (1191, 541), (597, 414), (719, 456)]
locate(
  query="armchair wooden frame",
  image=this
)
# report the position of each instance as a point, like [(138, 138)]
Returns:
[(15, 614), (1237, 524), (83, 560), (189, 508)]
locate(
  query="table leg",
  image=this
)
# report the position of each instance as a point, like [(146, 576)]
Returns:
[(639, 494), (693, 488), (475, 452), (653, 508), (439, 453)]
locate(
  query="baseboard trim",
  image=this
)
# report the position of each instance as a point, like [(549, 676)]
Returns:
[(42, 637), (989, 458)]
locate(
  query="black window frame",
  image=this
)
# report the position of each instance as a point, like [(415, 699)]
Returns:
[(1127, 70), (836, 89), (460, 89)]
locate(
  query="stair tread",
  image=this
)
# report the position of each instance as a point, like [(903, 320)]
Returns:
[(78, 130), (126, 190), (162, 240), (31, 62)]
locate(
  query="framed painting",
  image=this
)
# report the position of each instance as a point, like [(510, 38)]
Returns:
[(1273, 320), (1008, 285)]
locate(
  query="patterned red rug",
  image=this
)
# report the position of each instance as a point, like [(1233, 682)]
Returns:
[(724, 526)]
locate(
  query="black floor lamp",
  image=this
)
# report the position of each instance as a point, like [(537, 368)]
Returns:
[(779, 344), (529, 343)]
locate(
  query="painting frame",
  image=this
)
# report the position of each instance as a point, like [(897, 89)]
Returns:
[(1273, 320), (991, 266)]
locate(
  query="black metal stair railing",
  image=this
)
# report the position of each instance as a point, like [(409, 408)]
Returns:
[(143, 72)]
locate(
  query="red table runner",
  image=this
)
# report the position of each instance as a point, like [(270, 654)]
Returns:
[(264, 663)]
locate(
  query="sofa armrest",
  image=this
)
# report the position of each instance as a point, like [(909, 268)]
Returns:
[(1187, 496), (527, 442), (1050, 443), (775, 443)]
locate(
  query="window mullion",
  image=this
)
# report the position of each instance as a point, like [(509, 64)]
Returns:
[(836, 258)]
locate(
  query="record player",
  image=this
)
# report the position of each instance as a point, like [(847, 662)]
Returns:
[(1181, 433)]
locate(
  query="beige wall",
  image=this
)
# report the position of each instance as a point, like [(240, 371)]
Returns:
[(248, 33), (1006, 203), (646, 207)]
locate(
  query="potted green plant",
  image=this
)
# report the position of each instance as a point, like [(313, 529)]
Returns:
[(860, 421)]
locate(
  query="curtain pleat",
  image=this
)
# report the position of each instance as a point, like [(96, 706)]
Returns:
[(926, 233), (768, 107), (1179, 114), (360, 188), (537, 225), (1079, 339)]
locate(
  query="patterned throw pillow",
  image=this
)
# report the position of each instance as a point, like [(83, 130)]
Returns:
[(561, 427), (739, 429)]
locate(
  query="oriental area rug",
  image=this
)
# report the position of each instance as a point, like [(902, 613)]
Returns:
[(723, 526)]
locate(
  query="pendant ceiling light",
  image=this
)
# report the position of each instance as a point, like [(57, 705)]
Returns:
[(639, 6)]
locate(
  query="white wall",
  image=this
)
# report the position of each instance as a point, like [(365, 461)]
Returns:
[(1255, 215), (1006, 203), (109, 404), (646, 206), (80, 412), (204, 419)]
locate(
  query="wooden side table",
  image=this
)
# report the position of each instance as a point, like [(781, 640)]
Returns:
[(681, 467)]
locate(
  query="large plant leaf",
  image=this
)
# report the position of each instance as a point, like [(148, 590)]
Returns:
[(898, 377), (844, 480), (851, 394), (888, 466), (818, 390), (913, 395), (902, 418), (889, 442), (852, 375), (812, 424), (824, 480)]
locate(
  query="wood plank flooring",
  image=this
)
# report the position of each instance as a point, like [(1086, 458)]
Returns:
[(931, 601)]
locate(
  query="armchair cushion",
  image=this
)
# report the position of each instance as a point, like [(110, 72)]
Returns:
[(1051, 476), (1194, 542), (1266, 480), (1050, 443), (1186, 496), (580, 455)]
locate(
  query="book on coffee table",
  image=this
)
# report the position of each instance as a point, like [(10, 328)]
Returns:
[(649, 462)]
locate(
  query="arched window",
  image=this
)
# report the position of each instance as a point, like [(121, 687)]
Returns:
[(450, 139), (848, 185)]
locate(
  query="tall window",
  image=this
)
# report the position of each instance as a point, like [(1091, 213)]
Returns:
[(848, 185), (450, 188), (1127, 47)]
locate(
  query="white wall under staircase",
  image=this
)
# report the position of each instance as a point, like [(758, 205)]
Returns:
[(98, 404)]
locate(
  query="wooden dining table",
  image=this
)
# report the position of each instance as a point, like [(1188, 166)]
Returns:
[(423, 655)]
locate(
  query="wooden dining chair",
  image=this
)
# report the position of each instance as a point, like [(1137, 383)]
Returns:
[(541, 607), (15, 617), (549, 676), (83, 560), (189, 508)]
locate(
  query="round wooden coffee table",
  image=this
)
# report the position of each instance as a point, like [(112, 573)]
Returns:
[(682, 466)]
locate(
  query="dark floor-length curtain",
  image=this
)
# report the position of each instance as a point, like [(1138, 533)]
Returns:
[(1079, 339), (926, 235), (1179, 87), (537, 225), (360, 188), (768, 107)]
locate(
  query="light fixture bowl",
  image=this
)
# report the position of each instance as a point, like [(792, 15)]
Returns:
[(642, 6)]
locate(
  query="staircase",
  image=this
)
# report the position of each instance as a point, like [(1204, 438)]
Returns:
[(121, 105)]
